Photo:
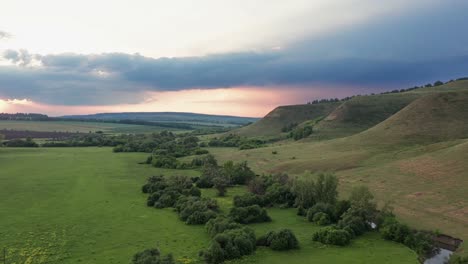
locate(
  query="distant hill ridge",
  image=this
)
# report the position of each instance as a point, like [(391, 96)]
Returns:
[(168, 117), (345, 117)]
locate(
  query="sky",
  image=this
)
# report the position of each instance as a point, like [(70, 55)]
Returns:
[(234, 57)]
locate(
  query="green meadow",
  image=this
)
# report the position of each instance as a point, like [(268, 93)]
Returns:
[(84, 205)]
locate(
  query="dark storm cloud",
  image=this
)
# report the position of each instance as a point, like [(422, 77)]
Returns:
[(400, 51)]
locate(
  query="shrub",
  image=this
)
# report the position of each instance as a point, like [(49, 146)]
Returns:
[(279, 194), (281, 240), (332, 236), (323, 208), (195, 210), (321, 218), (340, 208), (249, 214), (230, 244), (220, 224), (209, 172), (420, 242), (201, 151), (152, 256), (164, 161), (353, 221), (238, 173), (247, 199)]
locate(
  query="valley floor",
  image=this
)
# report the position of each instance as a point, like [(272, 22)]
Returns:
[(84, 205)]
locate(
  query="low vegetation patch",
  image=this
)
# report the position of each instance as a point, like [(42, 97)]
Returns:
[(279, 240)]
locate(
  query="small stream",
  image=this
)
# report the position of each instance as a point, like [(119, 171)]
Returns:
[(441, 258)]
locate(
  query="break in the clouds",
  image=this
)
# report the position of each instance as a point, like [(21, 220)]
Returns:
[(405, 45)]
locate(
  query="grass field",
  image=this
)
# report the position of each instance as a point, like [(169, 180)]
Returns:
[(84, 205), (83, 127)]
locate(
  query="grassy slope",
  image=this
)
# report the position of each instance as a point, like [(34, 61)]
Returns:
[(83, 205), (343, 118), (274, 121), (360, 113), (417, 159)]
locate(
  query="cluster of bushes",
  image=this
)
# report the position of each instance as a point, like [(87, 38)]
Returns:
[(289, 127), (419, 241), (233, 140), (317, 200), (230, 244), (333, 236), (163, 143), (275, 194), (281, 240), (20, 143), (178, 192), (87, 140), (221, 177), (152, 256), (301, 132), (194, 210), (249, 214)]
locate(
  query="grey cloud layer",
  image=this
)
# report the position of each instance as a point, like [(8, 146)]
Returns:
[(396, 52)]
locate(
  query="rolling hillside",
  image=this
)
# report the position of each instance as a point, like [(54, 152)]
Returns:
[(346, 118), (432, 118), (416, 158), (282, 116)]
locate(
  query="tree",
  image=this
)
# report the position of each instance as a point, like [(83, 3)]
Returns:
[(304, 189), (308, 192), (221, 182), (326, 188), (362, 199)]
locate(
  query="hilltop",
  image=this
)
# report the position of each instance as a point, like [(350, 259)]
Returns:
[(343, 118), (413, 153)]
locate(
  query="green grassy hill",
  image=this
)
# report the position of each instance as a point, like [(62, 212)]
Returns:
[(431, 118), (346, 118), (282, 116), (360, 113), (416, 158)]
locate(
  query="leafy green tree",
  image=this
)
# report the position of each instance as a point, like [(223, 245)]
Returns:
[(326, 188), (220, 183), (362, 199)]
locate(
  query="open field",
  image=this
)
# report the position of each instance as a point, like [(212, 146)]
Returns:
[(84, 205), (77, 126)]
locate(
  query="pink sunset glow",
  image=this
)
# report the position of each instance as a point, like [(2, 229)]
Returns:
[(240, 101)]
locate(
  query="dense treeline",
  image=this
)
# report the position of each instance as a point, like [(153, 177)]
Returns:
[(233, 140), (437, 83), (19, 143), (24, 117), (15, 134)]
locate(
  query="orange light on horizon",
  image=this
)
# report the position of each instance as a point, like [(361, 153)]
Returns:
[(238, 101)]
